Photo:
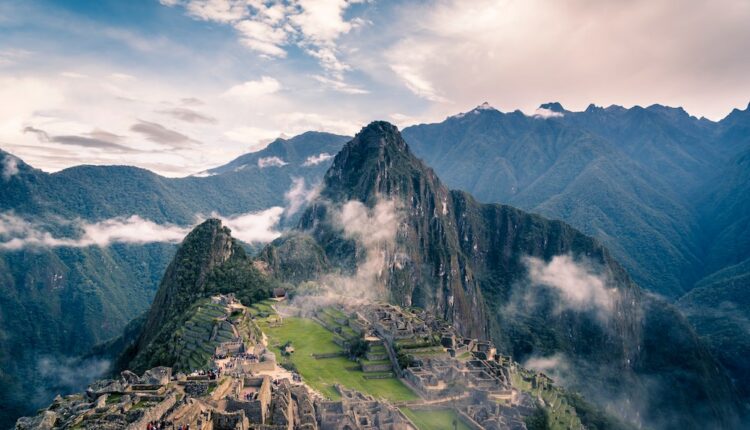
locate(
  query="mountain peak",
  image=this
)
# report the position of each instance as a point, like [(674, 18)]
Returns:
[(553, 106), (484, 107), (205, 247), (376, 163)]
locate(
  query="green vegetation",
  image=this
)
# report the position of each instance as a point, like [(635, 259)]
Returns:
[(309, 337), (442, 419)]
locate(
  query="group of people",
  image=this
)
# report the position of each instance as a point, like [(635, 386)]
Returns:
[(164, 425), (159, 425), (212, 373)]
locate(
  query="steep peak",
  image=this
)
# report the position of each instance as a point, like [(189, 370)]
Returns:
[(484, 106), (377, 161), (553, 106), (207, 246)]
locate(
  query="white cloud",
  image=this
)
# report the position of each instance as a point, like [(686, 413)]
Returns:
[(256, 227), (299, 195), (17, 233), (374, 231), (269, 27), (263, 37), (545, 113), (580, 288), (10, 167), (250, 90), (416, 83), (223, 11), (314, 160), (340, 85), (264, 162), (370, 226)]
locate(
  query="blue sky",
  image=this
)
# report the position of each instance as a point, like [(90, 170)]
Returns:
[(177, 86)]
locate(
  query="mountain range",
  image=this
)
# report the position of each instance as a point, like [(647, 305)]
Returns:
[(665, 192)]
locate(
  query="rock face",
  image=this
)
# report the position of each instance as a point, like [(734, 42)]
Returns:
[(470, 264)]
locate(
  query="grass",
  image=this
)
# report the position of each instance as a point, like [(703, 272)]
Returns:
[(435, 420), (309, 337)]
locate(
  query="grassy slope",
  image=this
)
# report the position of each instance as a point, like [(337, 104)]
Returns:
[(309, 337), (434, 420)]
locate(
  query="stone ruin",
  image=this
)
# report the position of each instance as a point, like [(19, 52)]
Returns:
[(128, 402), (359, 411)]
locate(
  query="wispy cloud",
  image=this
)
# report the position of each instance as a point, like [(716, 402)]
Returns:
[(162, 135), (545, 113), (299, 195), (9, 167), (270, 28), (189, 115), (98, 139), (264, 162), (250, 90), (314, 160), (256, 227), (579, 286)]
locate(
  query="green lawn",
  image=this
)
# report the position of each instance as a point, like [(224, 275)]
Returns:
[(434, 420), (309, 337)]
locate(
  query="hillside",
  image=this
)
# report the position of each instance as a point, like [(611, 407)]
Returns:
[(470, 264), (64, 300)]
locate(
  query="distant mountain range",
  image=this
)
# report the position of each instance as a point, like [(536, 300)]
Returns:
[(665, 192)]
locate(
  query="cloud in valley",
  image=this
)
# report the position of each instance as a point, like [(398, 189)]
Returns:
[(374, 231), (9, 167), (546, 113), (299, 195), (264, 162), (17, 233), (256, 227), (579, 287), (314, 160)]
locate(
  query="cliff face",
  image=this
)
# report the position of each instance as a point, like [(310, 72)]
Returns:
[(473, 263)]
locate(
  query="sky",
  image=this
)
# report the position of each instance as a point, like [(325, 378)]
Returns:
[(179, 86)]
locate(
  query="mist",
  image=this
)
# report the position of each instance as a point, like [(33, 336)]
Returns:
[(373, 230), (579, 286)]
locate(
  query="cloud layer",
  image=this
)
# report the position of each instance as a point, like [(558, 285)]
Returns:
[(17, 233)]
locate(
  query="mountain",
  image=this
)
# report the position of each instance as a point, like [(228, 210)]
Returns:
[(475, 265), (664, 191), (209, 261), (58, 302), (617, 174)]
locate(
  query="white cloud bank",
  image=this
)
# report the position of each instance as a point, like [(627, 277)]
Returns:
[(580, 288), (546, 113), (17, 233), (255, 227)]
